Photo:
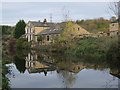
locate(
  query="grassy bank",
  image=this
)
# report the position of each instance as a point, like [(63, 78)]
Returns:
[(90, 45), (97, 51), (84, 46), (102, 52)]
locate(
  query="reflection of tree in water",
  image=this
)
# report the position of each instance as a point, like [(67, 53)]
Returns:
[(68, 78), (109, 82), (113, 60), (19, 60), (65, 69), (66, 65), (20, 64)]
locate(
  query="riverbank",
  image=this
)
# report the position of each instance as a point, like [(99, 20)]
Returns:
[(66, 60), (99, 45), (6, 59), (81, 46)]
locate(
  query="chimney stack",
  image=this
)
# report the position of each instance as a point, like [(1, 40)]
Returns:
[(45, 21)]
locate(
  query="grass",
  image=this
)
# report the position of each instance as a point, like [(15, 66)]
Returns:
[(92, 45)]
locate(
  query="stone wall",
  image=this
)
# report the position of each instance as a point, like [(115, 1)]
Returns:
[(100, 34), (52, 37)]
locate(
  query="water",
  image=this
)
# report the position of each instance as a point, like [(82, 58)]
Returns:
[(45, 70)]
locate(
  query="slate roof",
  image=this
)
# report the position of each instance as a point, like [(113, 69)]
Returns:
[(49, 31), (42, 24)]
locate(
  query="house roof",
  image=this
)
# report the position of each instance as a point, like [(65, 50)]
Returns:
[(116, 21), (49, 31), (42, 24)]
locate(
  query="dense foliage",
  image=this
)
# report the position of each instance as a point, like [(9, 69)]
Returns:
[(22, 43), (40, 38), (7, 29), (68, 31), (94, 25), (67, 34), (19, 29), (5, 60), (99, 45)]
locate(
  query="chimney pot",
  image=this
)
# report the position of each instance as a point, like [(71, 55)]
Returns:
[(45, 21)]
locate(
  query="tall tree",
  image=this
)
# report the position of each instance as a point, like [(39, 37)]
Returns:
[(19, 29), (69, 31)]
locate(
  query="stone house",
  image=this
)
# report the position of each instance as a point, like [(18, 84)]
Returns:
[(49, 31), (33, 28), (49, 35), (34, 66), (77, 68), (113, 28), (78, 29)]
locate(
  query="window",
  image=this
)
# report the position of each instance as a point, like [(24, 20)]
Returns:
[(31, 57), (31, 37), (78, 29), (30, 30), (117, 33), (47, 38), (108, 34), (48, 57), (27, 30), (113, 24), (72, 34)]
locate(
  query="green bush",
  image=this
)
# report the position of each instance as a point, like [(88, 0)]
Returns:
[(40, 38), (92, 45), (22, 43)]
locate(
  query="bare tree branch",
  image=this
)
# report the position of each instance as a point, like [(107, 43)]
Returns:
[(114, 7)]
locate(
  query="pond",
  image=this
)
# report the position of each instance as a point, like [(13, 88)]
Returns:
[(35, 69)]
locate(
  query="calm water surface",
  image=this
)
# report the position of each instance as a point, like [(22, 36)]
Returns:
[(44, 70)]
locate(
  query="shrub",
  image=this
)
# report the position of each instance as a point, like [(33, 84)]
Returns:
[(23, 44)]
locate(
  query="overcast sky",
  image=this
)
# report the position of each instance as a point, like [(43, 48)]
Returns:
[(34, 11)]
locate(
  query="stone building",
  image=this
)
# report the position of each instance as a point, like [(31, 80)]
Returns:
[(113, 28), (78, 29), (33, 28), (49, 31), (33, 65), (77, 68), (49, 35)]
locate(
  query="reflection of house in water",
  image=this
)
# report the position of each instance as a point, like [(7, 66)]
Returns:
[(34, 66), (77, 68), (116, 73), (74, 68), (68, 73)]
